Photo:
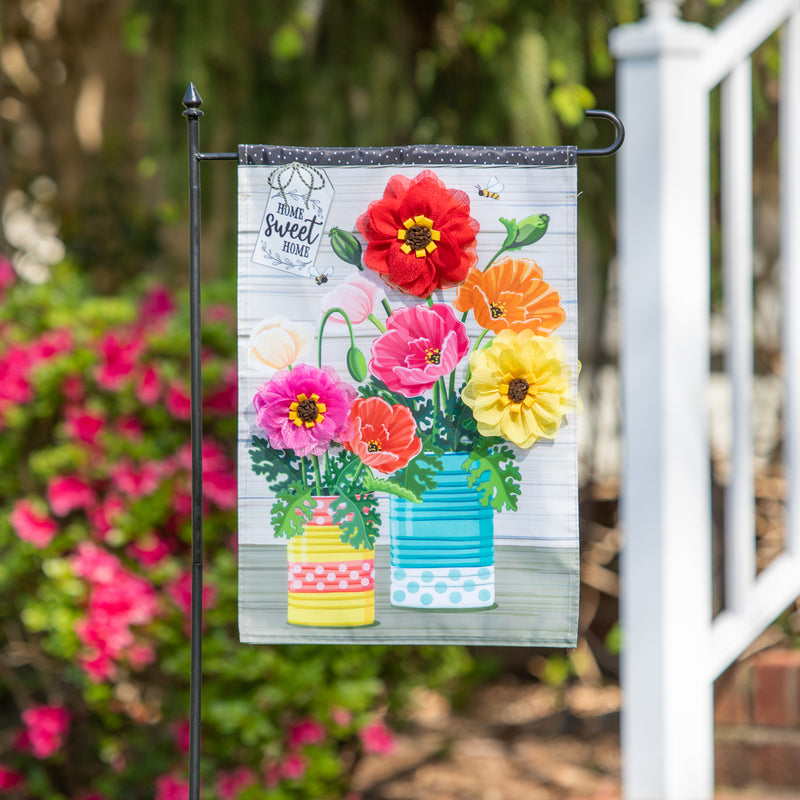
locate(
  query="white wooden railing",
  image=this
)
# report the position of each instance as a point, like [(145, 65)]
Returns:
[(672, 648)]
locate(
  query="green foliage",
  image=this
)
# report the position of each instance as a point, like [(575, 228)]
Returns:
[(291, 510), (494, 474), (94, 576), (358, 518)]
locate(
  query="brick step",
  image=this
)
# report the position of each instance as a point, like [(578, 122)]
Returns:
[(757, 716)]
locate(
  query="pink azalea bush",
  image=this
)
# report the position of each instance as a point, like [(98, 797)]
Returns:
[(95, 531)]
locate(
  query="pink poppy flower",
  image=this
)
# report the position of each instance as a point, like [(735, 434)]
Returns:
[(357, 297), (377, 738), (384, 437), (45, 728), (420, 346), (304, 409), (31, 525), (66, 494)]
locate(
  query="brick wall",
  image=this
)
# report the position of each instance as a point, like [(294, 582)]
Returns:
[(757, 715)]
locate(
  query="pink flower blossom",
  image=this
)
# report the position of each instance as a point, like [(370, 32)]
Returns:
[(356, 297), (180, 590), (181, 732), (118, 357), (149, 549), (137, 480), (15, 367), (377, 738), (304, 409), (232, 783), (68, 493), (10, 778), (148, 386), (420, 346), (8, 275), (73, 388), (168, 787), (220, 487), (307, 731), (156, 306), (225, 399), (45, 727), (51, 343), (102, 517), (129, 428), (98, 666), (140, 654), (178, 401), (83, 425), (294, 766), (31, 525), (341, 717)]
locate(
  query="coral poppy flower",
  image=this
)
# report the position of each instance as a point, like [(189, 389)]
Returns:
[(304, 409), (511, 294), (384, 437), (420, 346), (519, 388), (420, 236)]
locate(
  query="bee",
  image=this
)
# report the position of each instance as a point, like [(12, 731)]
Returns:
[(321, 277), (493, 189)]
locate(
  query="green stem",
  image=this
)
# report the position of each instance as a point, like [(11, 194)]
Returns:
[(377, 323), (386, 307), (303, 470), (322, 328), (317, 476), (436, 410), (429, 300), (452, 387), (474, 349), (443, 392), (494, 258), (357, 473)]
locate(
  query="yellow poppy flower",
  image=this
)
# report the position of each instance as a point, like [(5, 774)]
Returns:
[(519, 387)]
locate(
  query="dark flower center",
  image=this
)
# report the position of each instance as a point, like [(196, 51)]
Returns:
[(418, 237), (496, 310), (433, 356), (374, 446), (307, 410), (518, 390)]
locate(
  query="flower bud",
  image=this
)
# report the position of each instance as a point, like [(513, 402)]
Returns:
[(530, 230), (346, 246), (356, 364)]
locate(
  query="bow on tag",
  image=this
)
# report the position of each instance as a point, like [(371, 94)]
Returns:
[(282, 177)]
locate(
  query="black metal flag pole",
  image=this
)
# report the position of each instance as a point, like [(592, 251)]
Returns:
[(192, 102)]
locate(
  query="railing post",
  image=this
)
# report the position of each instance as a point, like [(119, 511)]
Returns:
[(667, 724)]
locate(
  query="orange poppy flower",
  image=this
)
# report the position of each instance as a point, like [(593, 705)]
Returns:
[(511, 295)]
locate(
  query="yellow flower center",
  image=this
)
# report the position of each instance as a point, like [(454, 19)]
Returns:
[(418, 236), (374, 446), (307, 411), (497, 310), (433, 355)]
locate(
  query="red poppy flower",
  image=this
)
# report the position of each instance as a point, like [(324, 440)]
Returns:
[(420, 236), (385, 437)]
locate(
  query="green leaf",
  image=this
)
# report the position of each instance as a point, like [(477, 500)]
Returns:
[(373, 484), (494, 474), (358, 519), (277, 466), (420, 474), (292, 509)]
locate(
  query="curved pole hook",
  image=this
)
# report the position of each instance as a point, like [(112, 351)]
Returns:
[(616, 144)]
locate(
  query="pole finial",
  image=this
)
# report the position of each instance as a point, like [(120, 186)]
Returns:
[(192, 101)]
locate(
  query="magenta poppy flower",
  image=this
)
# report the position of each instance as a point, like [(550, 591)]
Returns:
[(304, 409), (420, 346)]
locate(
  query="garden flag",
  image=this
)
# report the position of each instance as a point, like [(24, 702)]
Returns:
[(407, 448)]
